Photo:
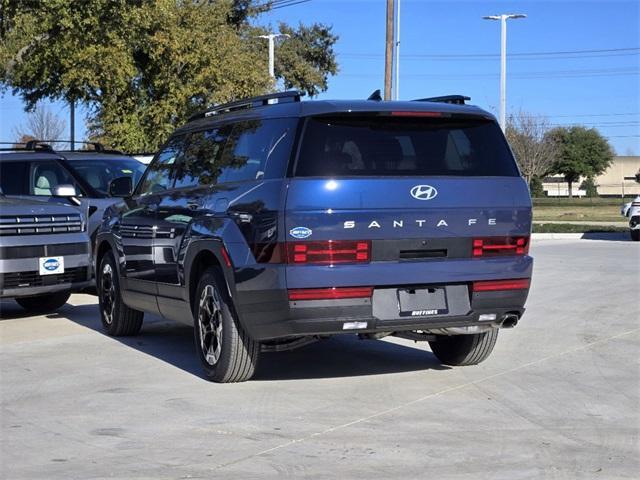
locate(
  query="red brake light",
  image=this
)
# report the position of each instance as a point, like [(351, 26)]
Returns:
[(500, 246), (330, 293), (416, 114), (329, 252), (498, 285)]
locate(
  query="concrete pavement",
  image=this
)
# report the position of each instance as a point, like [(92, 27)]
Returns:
[(559, 397)]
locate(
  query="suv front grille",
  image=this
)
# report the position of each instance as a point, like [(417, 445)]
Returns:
[(33, 279), (40, 224)]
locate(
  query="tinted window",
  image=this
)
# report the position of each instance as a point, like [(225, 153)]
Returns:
[(13, 178), (253, 145), (159, 176), (200, 165), (98, 173), (44, 177), (384, 146)]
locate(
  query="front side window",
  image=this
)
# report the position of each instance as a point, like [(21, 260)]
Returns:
[(200, 164), (45, 176), (98, 173), (159, 176), (403, 146)]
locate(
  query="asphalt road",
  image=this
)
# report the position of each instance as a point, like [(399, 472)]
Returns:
[(559, 398)]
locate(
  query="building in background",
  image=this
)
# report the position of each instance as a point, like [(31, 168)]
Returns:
[(617, 181)]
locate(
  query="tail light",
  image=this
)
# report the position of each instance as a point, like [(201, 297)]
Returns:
[(333, 293), (500, 285), (500, 246), (329, 252)]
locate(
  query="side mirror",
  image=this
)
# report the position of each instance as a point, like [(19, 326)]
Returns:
[(121, 187), (64, 190)]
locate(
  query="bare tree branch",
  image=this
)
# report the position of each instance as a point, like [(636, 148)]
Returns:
[(534, 150), (41, 124)]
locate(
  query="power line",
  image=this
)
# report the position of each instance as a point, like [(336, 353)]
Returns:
[(523, 75), (614, 51), (286, 3)]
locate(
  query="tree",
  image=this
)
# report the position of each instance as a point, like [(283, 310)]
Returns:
[(583, 152), (41, 124), (143, 67), (306, 59), (534, 150), (590, 187)]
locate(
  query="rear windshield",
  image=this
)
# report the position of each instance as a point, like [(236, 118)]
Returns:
[(403, 146)]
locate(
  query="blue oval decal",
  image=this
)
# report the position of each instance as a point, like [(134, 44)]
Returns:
[(300, 232), (51, 264)]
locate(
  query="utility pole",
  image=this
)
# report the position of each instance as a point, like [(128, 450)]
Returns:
[(503, 62), (388, 59), (272, 49), (72, 123), (397, 54)]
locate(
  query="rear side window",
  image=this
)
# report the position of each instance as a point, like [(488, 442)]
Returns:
[(13, 178), (402, 146), (256, 144)]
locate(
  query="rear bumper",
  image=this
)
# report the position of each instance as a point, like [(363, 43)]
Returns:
[(274, 316)]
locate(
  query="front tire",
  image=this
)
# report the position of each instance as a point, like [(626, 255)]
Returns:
[(118, 320), (44, 303), (462, 350), (226, 351), (635, 234)]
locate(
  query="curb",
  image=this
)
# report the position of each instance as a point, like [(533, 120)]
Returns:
[(555, 236), (579, 236)]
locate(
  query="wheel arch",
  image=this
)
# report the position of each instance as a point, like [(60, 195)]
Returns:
[(201, 255)]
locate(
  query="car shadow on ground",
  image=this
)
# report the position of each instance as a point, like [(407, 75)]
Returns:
[(339, 356)]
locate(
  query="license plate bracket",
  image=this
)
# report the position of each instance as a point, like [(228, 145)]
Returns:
[(422, 302)]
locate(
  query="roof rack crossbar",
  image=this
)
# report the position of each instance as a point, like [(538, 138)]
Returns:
[(453, 99), (262, 100)]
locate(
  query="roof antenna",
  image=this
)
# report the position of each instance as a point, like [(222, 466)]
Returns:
[(375, 96)]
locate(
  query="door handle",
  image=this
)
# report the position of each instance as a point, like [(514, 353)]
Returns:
[(151, 207), (193, 206)]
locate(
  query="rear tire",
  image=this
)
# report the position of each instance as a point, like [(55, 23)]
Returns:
[(118, 320), (44, 303), (635, 235), (226, 351), (461, 350)]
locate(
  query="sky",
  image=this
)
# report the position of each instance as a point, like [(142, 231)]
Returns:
[(575, 62)]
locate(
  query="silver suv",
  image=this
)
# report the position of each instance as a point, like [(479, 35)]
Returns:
[(44, 253)]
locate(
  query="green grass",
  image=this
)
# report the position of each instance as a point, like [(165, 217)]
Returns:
[(574, 228), (581, 202)]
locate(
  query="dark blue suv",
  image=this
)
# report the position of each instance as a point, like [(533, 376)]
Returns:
[(270, 222)]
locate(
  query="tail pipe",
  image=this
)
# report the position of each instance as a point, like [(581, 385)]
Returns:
[(509, 320)]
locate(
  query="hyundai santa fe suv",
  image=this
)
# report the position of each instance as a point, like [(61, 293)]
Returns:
[(270, 222)]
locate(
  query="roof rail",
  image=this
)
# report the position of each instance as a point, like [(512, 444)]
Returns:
[(46, 145), (246, 103), (453, 99)]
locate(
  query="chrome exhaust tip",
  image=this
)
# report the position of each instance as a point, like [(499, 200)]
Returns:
[(510, 320)]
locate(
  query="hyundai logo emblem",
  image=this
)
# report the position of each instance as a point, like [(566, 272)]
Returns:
[(424, 192)]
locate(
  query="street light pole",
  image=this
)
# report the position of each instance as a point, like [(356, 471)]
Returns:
[(271, 38), (503, 62), (397, 56)]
